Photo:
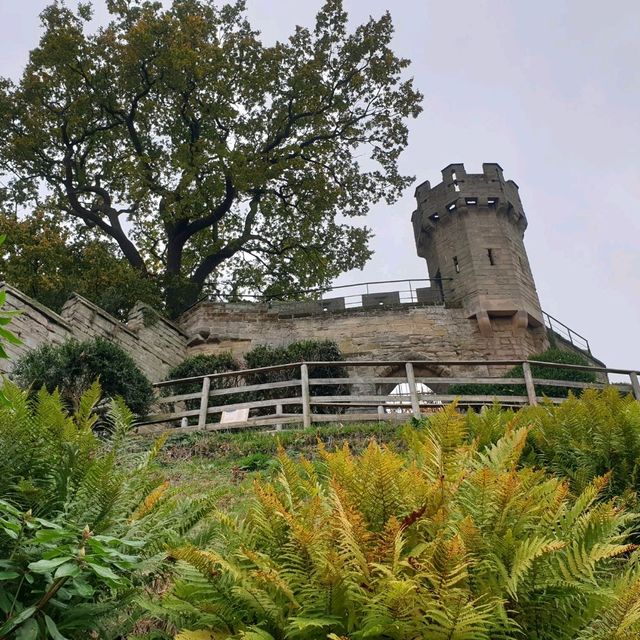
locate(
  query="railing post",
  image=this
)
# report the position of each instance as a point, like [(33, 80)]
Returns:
[(528, 381), (635, 385), (306, 405), (413, 391), (204, 403), (278, 413)]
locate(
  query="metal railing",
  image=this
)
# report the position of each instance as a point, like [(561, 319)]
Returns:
[(362, 294), (371, 394), (566, 332)]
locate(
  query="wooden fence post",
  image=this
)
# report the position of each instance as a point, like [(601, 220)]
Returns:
[(635, 385), (306, 405), (413, 391), (528, 381), (204, 403), (279, 413)]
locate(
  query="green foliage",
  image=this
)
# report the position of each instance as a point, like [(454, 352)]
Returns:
[(256, 462), (446, 541), (45, 261), (201, 365), (83, 522), (73, 366), (64, 552), (305, 350), (236, 164), (538, 371), (587, 437)]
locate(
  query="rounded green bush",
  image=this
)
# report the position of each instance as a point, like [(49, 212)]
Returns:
[(73, 366), (202, 365), (304, 350)]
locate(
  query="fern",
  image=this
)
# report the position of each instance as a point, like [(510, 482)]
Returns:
[(446, 541)]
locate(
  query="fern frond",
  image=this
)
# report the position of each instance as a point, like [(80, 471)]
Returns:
[(149, 502)]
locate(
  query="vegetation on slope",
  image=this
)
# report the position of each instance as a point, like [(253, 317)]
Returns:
[(446, 540), (552, 354), (73, 366), (497, 524)]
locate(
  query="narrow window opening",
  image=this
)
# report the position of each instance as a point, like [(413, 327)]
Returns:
[(456, 186), (492, 202), (456, 264), (454, 177), (491, 257), (451, 207), (472, 202), (435, 217), (439, 284)]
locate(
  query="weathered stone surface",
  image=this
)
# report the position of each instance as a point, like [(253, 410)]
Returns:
[(373, 300), (395, 333), (152, 341)]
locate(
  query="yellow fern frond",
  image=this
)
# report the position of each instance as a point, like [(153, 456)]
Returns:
[(149, 502), (208, 563)]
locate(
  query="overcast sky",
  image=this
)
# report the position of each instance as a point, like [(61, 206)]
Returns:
[(549, 89)]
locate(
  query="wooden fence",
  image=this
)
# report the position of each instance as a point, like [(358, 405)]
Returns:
[(369, 396)]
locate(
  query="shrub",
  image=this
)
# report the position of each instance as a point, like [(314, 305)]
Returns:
[(73, 366), (80, 532), (64, 554), (443, 542), (538, 371), (306, 350), (201, 365)]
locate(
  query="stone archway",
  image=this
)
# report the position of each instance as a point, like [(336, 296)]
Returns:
[(401, 388)]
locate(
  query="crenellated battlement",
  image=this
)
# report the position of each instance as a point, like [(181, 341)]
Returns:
[(459, 191)]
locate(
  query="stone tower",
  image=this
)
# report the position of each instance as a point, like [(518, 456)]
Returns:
[(470, 229)]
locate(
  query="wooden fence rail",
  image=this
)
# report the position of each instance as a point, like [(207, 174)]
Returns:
[(357, 397)]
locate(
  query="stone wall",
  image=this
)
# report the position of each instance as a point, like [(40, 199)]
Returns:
[(405, 332), (395, 332), (152, 341)]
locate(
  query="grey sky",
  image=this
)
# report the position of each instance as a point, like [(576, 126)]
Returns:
[(550, 89)]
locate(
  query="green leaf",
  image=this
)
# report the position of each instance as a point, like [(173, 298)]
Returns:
[(9, 336), (9, 575), (67, 569), (104, 572), (48, 524), (82, 588), (46, 566), (52, 629), (137, 544), (50, 535), (28, 631), (12, 623)]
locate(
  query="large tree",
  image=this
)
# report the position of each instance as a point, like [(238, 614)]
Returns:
[(211, 159)]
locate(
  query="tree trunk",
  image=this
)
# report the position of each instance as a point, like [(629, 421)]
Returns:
[(180, 294)]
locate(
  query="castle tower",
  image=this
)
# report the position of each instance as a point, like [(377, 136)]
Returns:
[(470, 229)]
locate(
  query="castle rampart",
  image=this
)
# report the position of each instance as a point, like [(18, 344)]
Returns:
[(482, 302)]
